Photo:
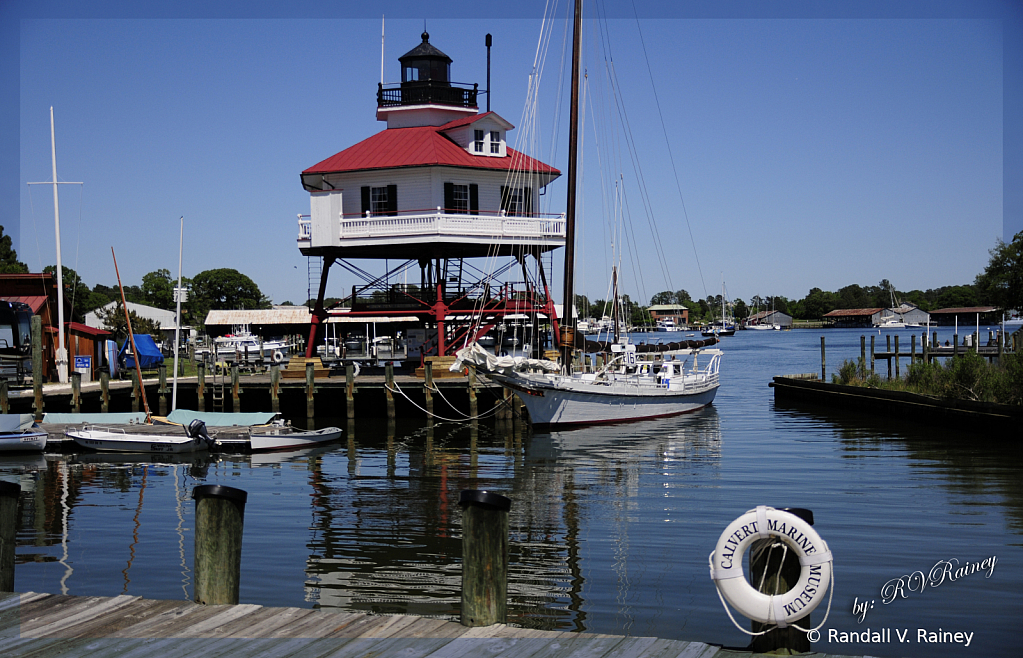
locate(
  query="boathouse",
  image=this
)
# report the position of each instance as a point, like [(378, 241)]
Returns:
[(439, 188), (676, 312), (783, 320), (966, 316), (908, 313), (855, 317)]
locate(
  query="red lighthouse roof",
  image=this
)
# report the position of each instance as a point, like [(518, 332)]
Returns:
[(423, 146)]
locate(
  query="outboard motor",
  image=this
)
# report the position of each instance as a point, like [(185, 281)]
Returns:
[(197, 428)]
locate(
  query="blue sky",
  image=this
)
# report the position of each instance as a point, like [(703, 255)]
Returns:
[(813, 147)]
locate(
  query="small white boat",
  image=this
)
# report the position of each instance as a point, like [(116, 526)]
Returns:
[(283, 437), (117, 440), (19, 433)]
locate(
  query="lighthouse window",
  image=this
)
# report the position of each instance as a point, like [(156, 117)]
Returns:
[(379, 200), (516, 200), (460, 198), (495, 141), (478, 146)]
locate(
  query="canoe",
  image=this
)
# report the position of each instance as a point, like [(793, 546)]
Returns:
[(282, 438), (107, 440)]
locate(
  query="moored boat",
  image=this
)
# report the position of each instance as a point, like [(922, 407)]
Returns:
[(282, 437), (18, 433), (117, 440)]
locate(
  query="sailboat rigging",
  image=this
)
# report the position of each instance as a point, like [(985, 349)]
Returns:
[(637, 381)]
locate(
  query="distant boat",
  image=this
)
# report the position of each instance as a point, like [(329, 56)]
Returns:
[(117, 440), (666, 324)]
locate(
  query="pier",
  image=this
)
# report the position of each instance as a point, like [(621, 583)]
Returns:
[(43, 625)]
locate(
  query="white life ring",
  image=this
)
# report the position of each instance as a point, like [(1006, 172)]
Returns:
[(277, 356), (814, 559)]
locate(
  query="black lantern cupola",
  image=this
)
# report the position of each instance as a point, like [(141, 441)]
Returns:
[(425, 63), (426, 95)]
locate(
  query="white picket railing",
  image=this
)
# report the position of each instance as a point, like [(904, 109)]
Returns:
[(443, 224)]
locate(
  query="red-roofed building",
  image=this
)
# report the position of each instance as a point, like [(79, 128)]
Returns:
[(438, 186), (39, 292)]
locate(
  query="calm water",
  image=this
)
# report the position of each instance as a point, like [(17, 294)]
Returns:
[(611, 527)]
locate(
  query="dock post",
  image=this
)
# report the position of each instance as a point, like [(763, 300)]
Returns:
[(104, 387), (350, 390), (428, 387), (872, 337), (136, 390), (955, 345), (863, 349), (388, 388), (823, 373), (473, 406), (912, 349), (219, 519), (896, 357), (310, 406), (9, 494), (926, 346), (37, 366), (200, 386), (275, 388), (76, 392), (1001, 347), (484, 558), (776, 574), (5, 403), (236, 389), (163, 390)]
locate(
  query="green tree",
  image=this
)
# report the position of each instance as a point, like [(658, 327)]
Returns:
[(664, 297), (223, 289), (158, 289), (76, 292), (114, 322), (1001, 283), (817, 304), (9, 263), (739, 310), (957, 297)]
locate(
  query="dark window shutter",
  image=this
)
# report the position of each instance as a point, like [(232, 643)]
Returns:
[(527, 201), (449, 196), (392, 199), (474, 198), (504, 198), (366, 205)]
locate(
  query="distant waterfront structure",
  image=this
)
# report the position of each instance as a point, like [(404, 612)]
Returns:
[(855, 317), (438, 189)]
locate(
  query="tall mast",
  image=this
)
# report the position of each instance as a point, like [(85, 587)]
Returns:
[(568, 337), (61, 349)]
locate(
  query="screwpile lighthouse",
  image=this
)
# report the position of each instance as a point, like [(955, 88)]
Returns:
[(440, 189)]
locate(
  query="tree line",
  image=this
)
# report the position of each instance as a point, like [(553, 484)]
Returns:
[(999, 285)]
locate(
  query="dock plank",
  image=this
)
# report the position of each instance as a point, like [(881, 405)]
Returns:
[(68, 625)]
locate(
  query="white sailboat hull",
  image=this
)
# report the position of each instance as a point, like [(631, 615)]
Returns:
[(28, 440), (557, 400)]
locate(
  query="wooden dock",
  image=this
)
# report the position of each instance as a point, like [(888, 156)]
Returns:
[(41, 625)]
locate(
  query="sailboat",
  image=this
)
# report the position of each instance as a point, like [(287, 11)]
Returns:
[(720, 327), (637, 381)]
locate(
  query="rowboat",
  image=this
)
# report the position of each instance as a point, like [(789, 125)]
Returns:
[(282, 437)]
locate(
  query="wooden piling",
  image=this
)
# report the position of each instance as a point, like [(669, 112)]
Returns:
[(872, 337), (955, 345), (473, 406), (163, 390), (823, 364), (200, 388), (484, 558), (104, 388), (388, 388), (236, 389), (275, 388), (912, 349), (219, 520), (350, 390), (37, 366), (774, 574), (136, 392), (926, 347), (76, 392), (5, 403), (863, 349), (310, 390), (428, 386), (9, 494), (896, 357)]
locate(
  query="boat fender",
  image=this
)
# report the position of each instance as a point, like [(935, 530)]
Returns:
[(355, 369), (815, 562), (277, 356)]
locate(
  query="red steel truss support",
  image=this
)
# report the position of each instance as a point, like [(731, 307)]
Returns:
[(319, 314)]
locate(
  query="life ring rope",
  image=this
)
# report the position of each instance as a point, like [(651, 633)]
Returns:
[(791, 532)]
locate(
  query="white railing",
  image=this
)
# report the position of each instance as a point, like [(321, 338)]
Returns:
[(440, 223)]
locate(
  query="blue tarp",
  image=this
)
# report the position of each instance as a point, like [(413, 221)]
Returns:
[(149, 355)]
